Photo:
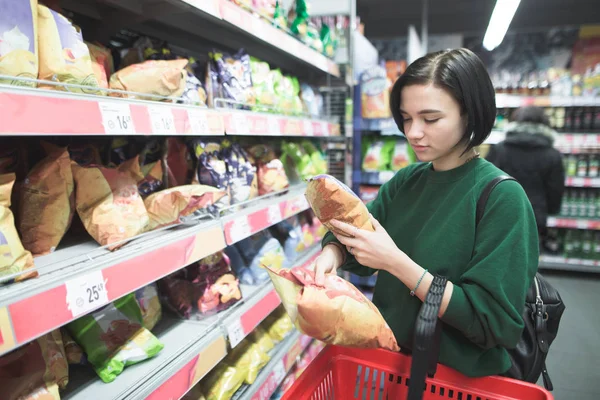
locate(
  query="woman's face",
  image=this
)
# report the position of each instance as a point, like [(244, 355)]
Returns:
[(433, 125)]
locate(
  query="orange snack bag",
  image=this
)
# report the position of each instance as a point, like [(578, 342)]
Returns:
[(161, 78), (336, 313), (108, 201), (331, 199), (47, 202)]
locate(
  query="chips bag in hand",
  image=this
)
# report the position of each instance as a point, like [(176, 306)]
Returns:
[(331, 199), (335, 313)]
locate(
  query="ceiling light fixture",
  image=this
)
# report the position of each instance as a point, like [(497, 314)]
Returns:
[(499, 22)]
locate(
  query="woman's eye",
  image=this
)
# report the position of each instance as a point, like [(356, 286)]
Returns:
[(406, 119), (431, 121)]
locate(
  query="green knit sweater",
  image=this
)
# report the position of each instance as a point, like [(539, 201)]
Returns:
[(431, 217)]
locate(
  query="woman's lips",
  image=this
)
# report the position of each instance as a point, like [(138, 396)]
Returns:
[(419, 148)]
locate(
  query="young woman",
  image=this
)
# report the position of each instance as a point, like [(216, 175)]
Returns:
[(424, 221)]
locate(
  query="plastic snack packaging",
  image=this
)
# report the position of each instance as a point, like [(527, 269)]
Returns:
[(376, 155), (331, 199), (375, 93), (242, 175), (234, 76), (168, 206), (19, 41), (178, 162), (35, 371), (270, 170), (258, 250), (63, 55), (289, 234), (239, 265), (101, 64), (73, 352), (113, 337), (47, 201), (147, 298), (166, 78), (222, 382), (212, 170), (249, 359), (13, 257), (108, 202), (278, 326), (261, 338), (336, 313), (401, 157)]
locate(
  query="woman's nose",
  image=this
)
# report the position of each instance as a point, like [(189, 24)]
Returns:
[(413, 130)]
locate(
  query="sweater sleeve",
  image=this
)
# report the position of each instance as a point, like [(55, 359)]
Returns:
[(378, 208), (488, 299)]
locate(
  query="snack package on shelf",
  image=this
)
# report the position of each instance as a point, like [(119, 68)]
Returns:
[(289, 235), (15, 258), (260, 336), (194, 92), (152, 181), (35, 371), (308, 239), (278, 324), (331, 199), (166, 78), (401, 157), (336, 313), (270, 171), (108, 202), (47, 201), (63, 55), (85, 153), (377, 155), (316, 157), (113, 337), (169, 206), (19, 41), (234, 76), (201, 289), (222, 382), (262, 85), (313, 102), (375, 93), (279, 16), (178, 162), (297, 162), (73, 352), (243, 180), (101, 64), (211, 169), (264, 8), (239, 265), (248, 358), (259, 250), (149, 302)]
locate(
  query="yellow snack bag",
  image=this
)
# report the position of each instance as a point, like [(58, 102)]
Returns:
[(278, 326), (248, 359), (13, 257), (222, 382), (261, 338), (47, 201)]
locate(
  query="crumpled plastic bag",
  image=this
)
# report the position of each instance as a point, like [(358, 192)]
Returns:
[(249, 359), (147, 298), (160, 78), (336, 313), (222, 382), (331, 199)]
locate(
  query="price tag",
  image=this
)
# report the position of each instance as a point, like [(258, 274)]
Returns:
[(199, 122), (235, 332), (162, 120), (579, 182), (274, 215), (582, 224), (240, 229), (86, 293), (116, 118), (241, 125), (274, 126), (308, 128), (385, 176)]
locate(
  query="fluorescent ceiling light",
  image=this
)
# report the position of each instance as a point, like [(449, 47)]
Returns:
[(499, 22)]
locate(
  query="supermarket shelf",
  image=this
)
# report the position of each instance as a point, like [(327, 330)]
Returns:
[(573, 223), (387, 125), (577, 141), (582, 182), (569, 264), (373, 178), (273, 374), (255, 218), (515, 101), (34, 307), (27, 111)]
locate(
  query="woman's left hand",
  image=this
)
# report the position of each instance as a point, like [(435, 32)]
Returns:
[(376, 250)]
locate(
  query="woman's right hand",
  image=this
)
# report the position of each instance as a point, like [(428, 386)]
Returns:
[(328, 262)]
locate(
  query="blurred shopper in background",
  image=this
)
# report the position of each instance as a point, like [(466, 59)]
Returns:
[(528, 155)]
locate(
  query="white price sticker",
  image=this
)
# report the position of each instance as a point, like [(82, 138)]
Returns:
[(86, 293), (235, 332), (274, 216), (308, 128), (274, 126), (162, 120), (279, 372), (199, 122), (582, 224), (240, 124), (116, 118), (240, 229)]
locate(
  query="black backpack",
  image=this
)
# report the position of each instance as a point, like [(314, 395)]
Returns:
[(541, 315)]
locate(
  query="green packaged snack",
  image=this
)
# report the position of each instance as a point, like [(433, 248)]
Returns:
[(296, 161), (316, 157), (279, 18), (300, 23), (262, 85), (327, 40), (114, 338)]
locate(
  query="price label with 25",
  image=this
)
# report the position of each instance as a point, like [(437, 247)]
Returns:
[(86, 293)]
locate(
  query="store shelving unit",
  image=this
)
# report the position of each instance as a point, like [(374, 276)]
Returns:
[(561, 263)]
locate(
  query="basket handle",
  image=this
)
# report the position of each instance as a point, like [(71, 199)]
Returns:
[(426, 347)]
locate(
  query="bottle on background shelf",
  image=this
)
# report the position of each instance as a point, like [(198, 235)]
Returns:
[(587, 245), (582, 204), (571, 165), (574, 209), (576, 245), (596, 123), (565, 209), (596, 251), (594, 166), (588, 119), (592, 202), (582, 166)]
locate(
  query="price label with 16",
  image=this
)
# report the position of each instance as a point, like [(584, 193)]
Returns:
[(116, 118)]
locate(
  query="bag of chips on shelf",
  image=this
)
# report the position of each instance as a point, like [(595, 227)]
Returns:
[(239, 266), (63, 55), (222, 382), (147, 298), (47, 202), (35, 371), (289, 234), (262, 85), (13, 257), (401, 157), (375, 93), (249, 359), (336, 313), (85, 154), (178, 162), (278, 325), (19, 41), (297, 162), (376, 155), (242, 175), (177, 293), (153, 179), (108, 202), (258, 250), (101, 64), (234, 76), (271, 177), (113, 337), (216, 288), (168, 206), (260, 337), (212, 170), (331, 199), (73, 352), (165, 78)]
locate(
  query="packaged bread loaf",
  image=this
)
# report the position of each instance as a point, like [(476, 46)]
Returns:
[(18, 41), (331, 199), (336, 313)]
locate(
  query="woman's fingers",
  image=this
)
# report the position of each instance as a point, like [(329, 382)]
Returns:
[(345, 228)]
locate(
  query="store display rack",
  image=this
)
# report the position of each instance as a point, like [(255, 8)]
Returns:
[(561, 263), (192, 349)]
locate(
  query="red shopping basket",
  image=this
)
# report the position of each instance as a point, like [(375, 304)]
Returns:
[(340, 373), (361, 374)]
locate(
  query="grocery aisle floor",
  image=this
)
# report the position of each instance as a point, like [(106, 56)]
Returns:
[(574, 359)]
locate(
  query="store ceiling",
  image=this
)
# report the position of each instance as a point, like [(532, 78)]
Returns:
[(391, 18)]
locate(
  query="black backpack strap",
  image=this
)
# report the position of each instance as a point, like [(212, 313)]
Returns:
[(485, 195)]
